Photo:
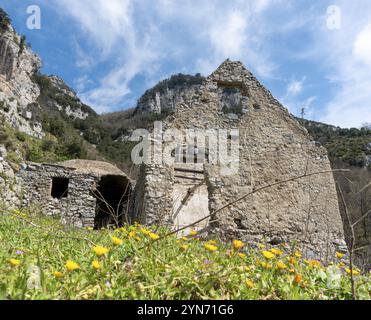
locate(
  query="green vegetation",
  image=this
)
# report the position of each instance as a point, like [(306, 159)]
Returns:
[(343, 145), (22, 45), (22, 147), (41, 259), (68, 143), (4, 21), (4, 106)]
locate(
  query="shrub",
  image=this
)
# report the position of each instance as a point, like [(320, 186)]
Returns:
[(4, 21), (4, 106), (22, 45), (20, 136)]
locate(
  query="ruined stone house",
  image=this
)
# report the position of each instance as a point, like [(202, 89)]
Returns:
[(83, 193), (273, 146)]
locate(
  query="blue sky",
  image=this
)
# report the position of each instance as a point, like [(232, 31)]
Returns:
[(111, 51)]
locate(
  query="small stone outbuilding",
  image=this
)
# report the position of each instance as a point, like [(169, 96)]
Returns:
[(83, 193)]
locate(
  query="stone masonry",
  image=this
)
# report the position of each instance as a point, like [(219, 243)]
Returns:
[(76, 201), (273, 147)]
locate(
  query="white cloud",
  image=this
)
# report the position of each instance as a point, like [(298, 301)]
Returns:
[(362, 45), (105, 22), (348, 59), (131, 38), (112, 30), (228, 35), (136, 38), (295, 87)]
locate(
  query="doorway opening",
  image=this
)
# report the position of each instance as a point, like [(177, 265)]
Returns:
[(112, 195)]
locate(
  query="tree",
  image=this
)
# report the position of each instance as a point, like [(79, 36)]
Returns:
[(22, 45)]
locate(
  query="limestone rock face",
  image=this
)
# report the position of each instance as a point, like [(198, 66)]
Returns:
[(71, 106), (166, 95), (273, 147), (17, 89)]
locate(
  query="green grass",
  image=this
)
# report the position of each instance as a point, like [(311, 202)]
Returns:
[(167, 269)]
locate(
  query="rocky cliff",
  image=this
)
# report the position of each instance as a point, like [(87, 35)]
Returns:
[(25, 94), (168, 93), (17, 89)]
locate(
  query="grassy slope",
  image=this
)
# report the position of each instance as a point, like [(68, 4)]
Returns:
[(168, 269)]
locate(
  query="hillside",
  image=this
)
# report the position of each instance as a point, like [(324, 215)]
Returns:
[(351, 146)]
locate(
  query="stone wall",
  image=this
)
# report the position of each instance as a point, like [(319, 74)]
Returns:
[(273, 147), (153, 200), (10, 191), (77, 209)]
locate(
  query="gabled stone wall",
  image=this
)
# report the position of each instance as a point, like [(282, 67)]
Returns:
[(273, 147)]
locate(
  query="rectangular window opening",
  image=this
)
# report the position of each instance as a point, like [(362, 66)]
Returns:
[(59, 188)]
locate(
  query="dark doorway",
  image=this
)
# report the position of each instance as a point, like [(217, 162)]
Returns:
[(59, 187), (112, 197)]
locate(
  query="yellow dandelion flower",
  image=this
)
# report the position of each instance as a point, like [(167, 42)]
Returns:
[(261, 246), (340, 255), (213, 242), (184, 247), (341, 264), (292, 270), (247, 269), (267, 254), (100, 251), (137, 238), (292, 260), (281, 265), (90, 228), (193, 233), (297, 278), (313, 263), (14, 262), (297, 254), (210, 247), (58, 274), (145, 231), (242, 255), (153, 236), (184, 238), (355, 272), (276, 251), (249, 284), (72, 265), (132, 234), (96, 265), (238, 244), (117, 241)]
